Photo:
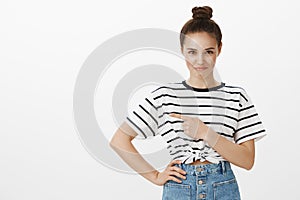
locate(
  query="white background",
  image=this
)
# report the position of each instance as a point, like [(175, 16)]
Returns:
[(43, 45)]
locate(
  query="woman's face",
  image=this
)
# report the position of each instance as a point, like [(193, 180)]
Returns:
[(200, 51)]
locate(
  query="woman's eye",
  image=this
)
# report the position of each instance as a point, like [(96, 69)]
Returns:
[(209, 52), (191, 52)]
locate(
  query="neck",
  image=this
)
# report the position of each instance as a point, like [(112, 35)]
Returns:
[(202, 83)]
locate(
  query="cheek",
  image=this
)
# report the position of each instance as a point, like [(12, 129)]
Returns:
[(210, 60), (190, 59)]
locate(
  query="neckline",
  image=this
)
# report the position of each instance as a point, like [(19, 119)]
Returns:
[(202, 89)]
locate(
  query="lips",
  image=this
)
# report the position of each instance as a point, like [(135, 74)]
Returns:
[(200, 68)]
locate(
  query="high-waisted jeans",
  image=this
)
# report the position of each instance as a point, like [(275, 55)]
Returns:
[(209, 182)]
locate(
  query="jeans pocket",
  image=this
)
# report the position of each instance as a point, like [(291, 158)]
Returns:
[(176, 191), (226, 190)]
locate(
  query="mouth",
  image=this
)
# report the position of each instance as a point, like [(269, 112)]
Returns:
[(200, 68)]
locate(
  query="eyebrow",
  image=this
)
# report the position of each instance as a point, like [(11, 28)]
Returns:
[(205, 49)]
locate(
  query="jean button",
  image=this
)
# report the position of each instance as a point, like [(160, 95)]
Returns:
[(201, 196), (200, 182), (199, 169)]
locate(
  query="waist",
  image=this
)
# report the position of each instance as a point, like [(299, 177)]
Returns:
[(202, 169), (198, 162)]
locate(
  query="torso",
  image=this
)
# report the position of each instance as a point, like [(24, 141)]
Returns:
[(198, 162)]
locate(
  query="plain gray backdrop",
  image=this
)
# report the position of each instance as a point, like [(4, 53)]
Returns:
[(43, 45)]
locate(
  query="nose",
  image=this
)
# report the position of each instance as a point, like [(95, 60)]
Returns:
[(200, 59)]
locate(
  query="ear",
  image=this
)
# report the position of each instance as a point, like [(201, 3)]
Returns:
[(220, 48)]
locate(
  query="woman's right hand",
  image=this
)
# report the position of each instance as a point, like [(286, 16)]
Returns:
[(169, 174)]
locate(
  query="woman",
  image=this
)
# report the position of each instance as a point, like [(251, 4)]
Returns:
[(207, 124)]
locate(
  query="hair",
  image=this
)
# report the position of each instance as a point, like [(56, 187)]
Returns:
[(201, 22)]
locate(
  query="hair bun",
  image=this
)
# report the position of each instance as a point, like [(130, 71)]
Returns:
[(204, 12)]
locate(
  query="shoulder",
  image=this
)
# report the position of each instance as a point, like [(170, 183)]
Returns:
[(169, 87), (234, 87), (239, 90)]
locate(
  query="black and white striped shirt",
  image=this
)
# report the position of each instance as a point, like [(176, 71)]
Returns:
[(226, 109)]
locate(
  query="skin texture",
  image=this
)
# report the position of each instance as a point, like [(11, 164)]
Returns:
[(200, 51)]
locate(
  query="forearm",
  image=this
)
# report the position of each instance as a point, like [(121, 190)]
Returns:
[(125, 149), (238, 154)]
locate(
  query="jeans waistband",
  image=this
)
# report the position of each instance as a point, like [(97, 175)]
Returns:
[(220, 168)]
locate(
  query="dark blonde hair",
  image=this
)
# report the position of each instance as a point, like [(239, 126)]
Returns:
[(201, 22)]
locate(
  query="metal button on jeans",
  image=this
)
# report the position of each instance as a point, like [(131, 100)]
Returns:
[(199, 169), (201, 196), (200, 182)]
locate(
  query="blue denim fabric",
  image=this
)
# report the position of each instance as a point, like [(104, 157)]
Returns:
[(209, 182)]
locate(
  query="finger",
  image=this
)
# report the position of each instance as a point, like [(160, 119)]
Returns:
[(175, 115), (173, 162), (178, 170), (174, 179), (174, 173)]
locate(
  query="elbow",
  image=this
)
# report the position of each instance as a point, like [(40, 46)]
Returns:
[(120, 140), (112, 144), (249, 165), (111, 141)]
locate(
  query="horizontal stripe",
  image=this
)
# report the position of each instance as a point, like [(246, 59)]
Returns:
[(247, 108), (170, 122), (178, 157), (179, 151), (201, 149), (183, 145), (220, 123), (167, 132), (227, 86), (201, 106), (186, 139), (251, 134), (196, 114), (194, 97), (250, 125), (226, 135), (247, 117)]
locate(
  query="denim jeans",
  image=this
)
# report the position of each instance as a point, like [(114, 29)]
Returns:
[(209, 182)]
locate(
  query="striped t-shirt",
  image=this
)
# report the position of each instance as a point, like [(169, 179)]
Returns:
[(226, 109)]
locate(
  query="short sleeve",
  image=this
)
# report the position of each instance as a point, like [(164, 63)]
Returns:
[(249, 125), (143, 116)]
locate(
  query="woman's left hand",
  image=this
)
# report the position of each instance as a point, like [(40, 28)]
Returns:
[(192, 126)]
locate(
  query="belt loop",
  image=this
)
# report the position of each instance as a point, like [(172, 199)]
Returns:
[(223, 167)]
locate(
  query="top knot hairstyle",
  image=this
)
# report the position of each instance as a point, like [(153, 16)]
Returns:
[(204, 12), (201, 22)]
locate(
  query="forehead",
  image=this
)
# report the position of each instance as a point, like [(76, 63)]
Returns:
[(199, 40)]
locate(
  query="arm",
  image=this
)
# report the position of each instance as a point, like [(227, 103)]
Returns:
[(121, 143), (242, 155)]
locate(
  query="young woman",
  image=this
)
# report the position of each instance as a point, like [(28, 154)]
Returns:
[(206, 124)]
